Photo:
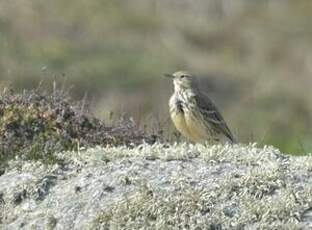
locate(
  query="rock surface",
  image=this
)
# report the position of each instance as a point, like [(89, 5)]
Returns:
[(160, 187)]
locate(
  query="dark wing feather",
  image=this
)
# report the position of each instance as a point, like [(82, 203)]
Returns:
[(213, 115)]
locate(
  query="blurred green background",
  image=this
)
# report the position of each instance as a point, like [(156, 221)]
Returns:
[(254, 59)]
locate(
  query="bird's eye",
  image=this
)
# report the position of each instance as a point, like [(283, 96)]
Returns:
[(183, 76)]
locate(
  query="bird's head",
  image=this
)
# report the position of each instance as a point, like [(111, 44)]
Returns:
[(182, 80)]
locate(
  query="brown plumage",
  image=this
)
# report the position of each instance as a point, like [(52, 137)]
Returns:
[(194, 114)]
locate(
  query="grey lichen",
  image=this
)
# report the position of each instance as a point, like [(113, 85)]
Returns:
[(180, 186)]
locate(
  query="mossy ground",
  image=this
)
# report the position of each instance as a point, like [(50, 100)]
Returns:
[(180, 186), (257, 191)]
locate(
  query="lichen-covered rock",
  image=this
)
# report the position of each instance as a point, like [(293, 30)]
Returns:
[(160, 186)]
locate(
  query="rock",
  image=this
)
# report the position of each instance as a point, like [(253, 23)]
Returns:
[(181, 186)]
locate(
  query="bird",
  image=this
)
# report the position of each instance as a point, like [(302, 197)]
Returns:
[(194, 115)]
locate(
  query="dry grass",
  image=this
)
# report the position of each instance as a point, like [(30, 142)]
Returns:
[(34, 125)]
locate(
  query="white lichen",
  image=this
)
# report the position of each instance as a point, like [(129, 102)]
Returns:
[(160, 186)]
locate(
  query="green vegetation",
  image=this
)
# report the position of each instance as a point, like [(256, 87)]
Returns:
[(254, 57)]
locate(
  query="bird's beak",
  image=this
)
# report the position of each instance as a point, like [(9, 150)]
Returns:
[(168, 75)]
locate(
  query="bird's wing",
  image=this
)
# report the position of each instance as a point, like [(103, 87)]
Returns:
[(213, 116)]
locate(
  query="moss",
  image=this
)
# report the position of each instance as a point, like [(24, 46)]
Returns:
[(159, 186), (199, 208), (258, 189), (144, 209)]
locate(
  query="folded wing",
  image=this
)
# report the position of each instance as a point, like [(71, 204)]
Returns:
[(213, 116)]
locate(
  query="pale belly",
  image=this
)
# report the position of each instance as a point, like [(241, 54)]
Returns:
[(189, 127), (180, 123)]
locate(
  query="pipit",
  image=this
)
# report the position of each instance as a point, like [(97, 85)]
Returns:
[(194, 114)]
